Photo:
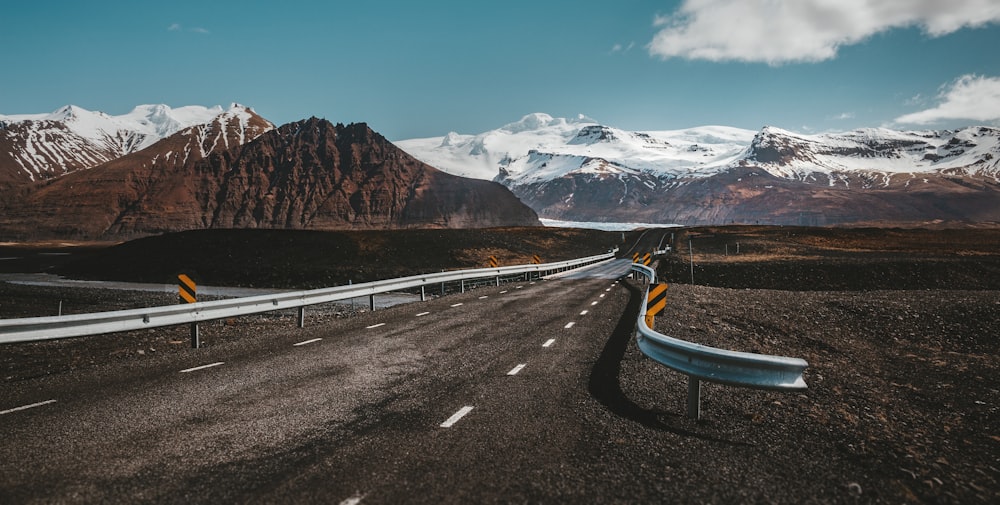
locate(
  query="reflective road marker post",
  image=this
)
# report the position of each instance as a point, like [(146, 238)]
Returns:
[(187, 291), (655, 303)]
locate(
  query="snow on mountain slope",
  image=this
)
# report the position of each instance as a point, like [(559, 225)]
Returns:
[(41, 146), (540, 147), (875, 151)]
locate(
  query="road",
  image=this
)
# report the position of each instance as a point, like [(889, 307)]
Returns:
[(499, 394)]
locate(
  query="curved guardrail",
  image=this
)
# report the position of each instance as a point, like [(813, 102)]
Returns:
[(78, 325), (701, 362)]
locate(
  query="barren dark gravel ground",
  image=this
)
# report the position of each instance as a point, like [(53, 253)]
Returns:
[(900, 328)]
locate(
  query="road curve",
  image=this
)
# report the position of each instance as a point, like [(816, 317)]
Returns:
[(482, 396)]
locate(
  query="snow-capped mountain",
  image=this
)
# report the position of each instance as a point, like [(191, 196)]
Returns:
[(41, 146), (880, 153), (581, 170), (540, 147)]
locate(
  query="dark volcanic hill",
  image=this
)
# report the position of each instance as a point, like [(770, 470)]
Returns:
[(305, 175)]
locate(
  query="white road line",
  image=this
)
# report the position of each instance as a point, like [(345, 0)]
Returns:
[(593, 303), (422, 314), (456, 416), (519, 287), (504, 291), (26, 407), (374, 326), (483, 297), (456, 304), (569, 325), (308, 342), (583, 313), (202, 367), (602, 295), (549, 342), (609, 289), (516, 369), (354, 500)]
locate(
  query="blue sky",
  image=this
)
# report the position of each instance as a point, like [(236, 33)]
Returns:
[(420, 69)]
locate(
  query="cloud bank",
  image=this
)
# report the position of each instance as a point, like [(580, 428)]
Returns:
[(969, 97), (795, 31)]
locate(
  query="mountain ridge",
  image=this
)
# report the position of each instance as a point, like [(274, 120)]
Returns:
[(309, 174), (711, 175), (37, 147)]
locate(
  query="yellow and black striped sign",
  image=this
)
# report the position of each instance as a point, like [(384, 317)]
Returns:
[(655, 302), (647, 259), (494, 262), (186, 289), (536, 260), (635, 257)]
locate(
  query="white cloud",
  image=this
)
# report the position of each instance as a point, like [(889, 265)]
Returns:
[(618, 48), (787, 31), (969, 97), (176, 27), (844, 115)]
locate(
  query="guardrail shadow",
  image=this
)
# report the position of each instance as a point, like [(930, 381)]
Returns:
[(604, 384)]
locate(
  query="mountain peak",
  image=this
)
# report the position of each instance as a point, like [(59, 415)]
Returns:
[(76, 138), (541, 120)]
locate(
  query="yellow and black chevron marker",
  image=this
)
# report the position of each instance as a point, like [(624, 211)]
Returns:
[(655, 302), (186, 289), (635, 257), (494, 262), (647, 259), (536, 260)]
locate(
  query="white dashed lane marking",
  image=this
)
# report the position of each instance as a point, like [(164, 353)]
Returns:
[(593, 303), (504, 291), (422, 314), (583, 313), (456, 416), (307, 342), (569, 325), (374, 326), (456, 305), (202, 367), (483, 297), (516, 369), (549, 342), (26, 407)]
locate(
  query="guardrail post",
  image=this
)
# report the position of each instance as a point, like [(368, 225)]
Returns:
[(195, 337), (498, 281), (694, 398), (463, 285), (423, 296), (371, 302), (302, 317)]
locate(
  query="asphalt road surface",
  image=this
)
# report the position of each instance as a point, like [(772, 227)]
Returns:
[(500, 394)]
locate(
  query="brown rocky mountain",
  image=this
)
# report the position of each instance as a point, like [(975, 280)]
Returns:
[(305, 175)]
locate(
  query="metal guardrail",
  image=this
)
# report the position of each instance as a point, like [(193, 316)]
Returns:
[(78, 325), (700, 362)]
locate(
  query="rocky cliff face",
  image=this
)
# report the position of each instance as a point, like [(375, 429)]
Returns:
[(305, 175)]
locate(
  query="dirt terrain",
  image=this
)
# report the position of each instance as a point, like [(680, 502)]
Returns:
[(900, 328)]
